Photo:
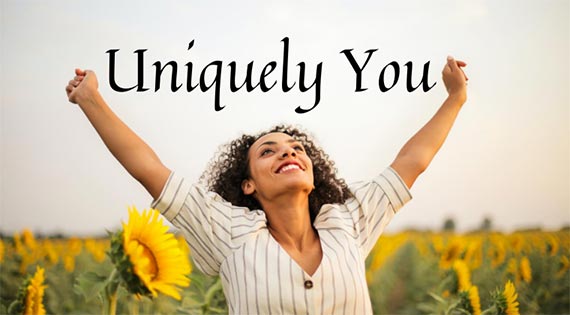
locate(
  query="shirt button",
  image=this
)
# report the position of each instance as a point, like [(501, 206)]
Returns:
[(308, 284)]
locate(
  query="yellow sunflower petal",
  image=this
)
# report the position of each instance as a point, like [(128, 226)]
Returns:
[(463, 275), (154, 253), (35, 294), (474, 300), (511, 296)]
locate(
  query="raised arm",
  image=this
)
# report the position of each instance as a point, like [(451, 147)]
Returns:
[(417, 153), (130, 150)]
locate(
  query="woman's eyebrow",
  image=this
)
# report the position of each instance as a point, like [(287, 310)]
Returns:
[(296, 141), (270, 142), (267, 143)]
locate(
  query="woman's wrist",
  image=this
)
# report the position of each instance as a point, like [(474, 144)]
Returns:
[(457, 98), (91, 98)]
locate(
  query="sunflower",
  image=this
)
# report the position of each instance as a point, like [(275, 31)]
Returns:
[(49, 251), (498, 253), (510, 295), (513, 269), (384, 249), (474, 301), (74, 246), (97, 249), (552, 246), (18, 246), (474, 255), (148, 258), (516, 243), (463, 275), (451, 252), (29, 239), (437, 243), (564, 265), (30, 295), (506, 301), (1, 251), (525, 270), (68, 262), (470, 301), (184, 246), (35, 294)]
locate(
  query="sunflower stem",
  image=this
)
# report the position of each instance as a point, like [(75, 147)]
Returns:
[(111, 292), (490, 310), (113, 304), (134, 305)]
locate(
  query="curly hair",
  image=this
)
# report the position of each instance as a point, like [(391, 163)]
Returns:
[(230, 167)]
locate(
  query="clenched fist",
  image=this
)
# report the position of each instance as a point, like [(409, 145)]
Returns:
[(455, 79), (83, 86)]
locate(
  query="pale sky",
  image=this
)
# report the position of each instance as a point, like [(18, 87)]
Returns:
[(507, 157)]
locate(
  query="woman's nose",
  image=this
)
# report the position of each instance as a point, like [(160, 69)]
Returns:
[(288, 151)]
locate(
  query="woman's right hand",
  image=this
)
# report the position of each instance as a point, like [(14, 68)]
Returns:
[(83, 86)]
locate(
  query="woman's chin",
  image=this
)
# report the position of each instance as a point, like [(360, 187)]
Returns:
[(298, 186)]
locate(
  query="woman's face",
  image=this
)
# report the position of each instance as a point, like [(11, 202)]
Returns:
[(278, 164)]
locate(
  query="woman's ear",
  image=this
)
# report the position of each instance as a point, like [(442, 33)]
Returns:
[(248, 187)]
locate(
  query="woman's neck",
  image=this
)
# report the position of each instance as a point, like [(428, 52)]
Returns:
[(289, 221)]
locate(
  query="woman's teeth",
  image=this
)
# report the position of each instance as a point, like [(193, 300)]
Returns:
[(289, 167)]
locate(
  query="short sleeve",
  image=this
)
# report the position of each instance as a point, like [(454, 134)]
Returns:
[(376, 202), (212, 226), (172, 197)]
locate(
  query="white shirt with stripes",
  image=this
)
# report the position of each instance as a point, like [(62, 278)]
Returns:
[(258, 275)]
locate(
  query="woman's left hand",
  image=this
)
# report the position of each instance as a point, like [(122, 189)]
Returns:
[(455, 79)]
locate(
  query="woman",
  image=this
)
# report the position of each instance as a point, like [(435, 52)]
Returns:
[(283, 232)]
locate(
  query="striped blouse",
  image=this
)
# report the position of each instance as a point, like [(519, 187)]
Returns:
[(258, 275)]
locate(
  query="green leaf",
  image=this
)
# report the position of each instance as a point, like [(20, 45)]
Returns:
[(16, 307), (463, 311), (190, 302), (437, 297), (427, 308), (90, 285), (217, 286), (453, 305)]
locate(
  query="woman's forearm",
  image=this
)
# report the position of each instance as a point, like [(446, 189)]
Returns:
[(420, 150), (130, 150), (126, 146)]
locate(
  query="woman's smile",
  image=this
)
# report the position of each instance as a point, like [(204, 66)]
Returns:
[(289, 167)]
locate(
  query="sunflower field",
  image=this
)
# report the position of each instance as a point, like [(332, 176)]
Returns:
[(408, 273)]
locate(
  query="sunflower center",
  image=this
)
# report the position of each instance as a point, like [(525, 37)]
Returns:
[(151, 268)]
